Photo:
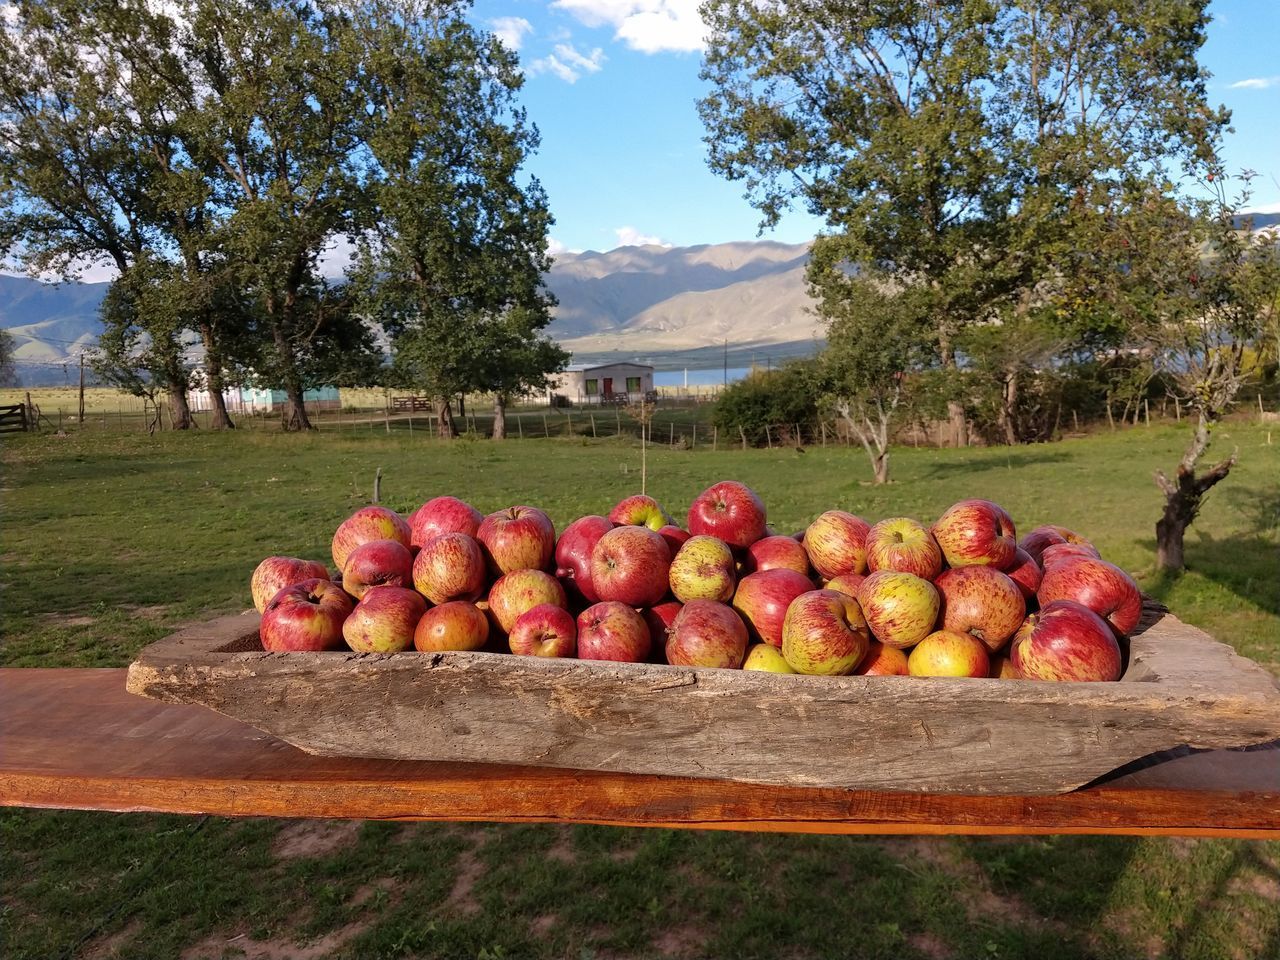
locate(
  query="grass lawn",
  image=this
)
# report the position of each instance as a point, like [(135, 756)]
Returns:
[(112, 539)]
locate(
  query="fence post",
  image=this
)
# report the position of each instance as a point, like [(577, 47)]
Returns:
[(694, 442), (743, 434), (671, 435), (617, 416), (386, 418), (593, 425), (546, 431), (1261, 411), (768, 437), (823, 425), (715, 438), (1177, 408), (520, 424), (1146, 410), (411, 419), (569, 420)]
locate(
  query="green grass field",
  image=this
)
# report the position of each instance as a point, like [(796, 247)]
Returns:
[(112, 539)]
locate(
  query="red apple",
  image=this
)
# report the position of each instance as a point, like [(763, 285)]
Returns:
[(762, 600), (764, 658), (728, 510), (1101, 586), (777, 553), (377, 563), (450, 566), (305, 616), (631, 565), (846, 583), (707, 634), (982, 602), (640, 511), (704, 569), (1057, 552), (1039, 538), (901, 609), (612, 631), (946, 653), (1025, 572), (368, 523), (1066, 641), (905, 545), (544, 631), (976, 532), (882, 661), (514, 593), (518, 538), (456, 625), (675, 537), (274, 573), (824, 633), (836, 543), (443, 515), (573, 555), (384, 620), (659, 619)]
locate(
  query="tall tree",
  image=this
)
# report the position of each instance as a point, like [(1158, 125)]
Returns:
[(959, 146), (454, 244)]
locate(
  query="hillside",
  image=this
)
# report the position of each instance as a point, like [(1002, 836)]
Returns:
[(635, 301)]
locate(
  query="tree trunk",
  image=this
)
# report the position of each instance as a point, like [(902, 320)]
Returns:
[(1183, 495), (499, 417), (294, 415), (446, 429), (959, 427), (213, 376), (1009, 408), (880, 467), (179, 409)]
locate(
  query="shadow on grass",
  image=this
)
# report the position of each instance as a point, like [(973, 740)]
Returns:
[(1001, 459)]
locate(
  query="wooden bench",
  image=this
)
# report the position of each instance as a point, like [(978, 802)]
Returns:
[(74, 739)]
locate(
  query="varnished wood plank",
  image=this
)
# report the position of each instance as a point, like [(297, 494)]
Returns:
[(937, 735), (76, 739)]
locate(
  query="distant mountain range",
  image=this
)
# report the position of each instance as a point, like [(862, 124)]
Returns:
[(672, 306)]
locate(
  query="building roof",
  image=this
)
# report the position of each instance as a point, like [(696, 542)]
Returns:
[(585, 367)]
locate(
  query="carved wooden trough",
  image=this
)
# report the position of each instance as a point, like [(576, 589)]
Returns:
[(1181, 688)]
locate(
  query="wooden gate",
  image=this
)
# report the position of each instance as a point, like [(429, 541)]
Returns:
[(13, 418)]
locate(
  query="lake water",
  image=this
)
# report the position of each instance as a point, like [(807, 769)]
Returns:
[(698, 378)]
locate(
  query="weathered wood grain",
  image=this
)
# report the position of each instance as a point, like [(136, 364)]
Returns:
[(75, 739), (878, 733)]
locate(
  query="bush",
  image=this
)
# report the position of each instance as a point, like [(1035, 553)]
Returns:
[(779, 399)]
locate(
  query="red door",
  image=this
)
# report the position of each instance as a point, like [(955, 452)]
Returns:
[(607, 391)]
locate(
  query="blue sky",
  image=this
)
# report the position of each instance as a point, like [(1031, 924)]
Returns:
[(612, 86)]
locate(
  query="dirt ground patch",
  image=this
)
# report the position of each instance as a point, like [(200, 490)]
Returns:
[(244, 947), (685, 940), (108, 946), (470, 869), (303, 839)]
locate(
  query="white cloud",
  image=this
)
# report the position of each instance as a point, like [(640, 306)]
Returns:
[(1266, 208), (567, 63), (631, 237), (650, 26), (1256, 83), (511, 30), (556, 248)]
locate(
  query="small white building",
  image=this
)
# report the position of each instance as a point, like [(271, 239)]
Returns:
[(605, 383), (250, 400)]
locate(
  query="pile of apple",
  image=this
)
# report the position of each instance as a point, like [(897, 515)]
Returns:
[(963, 598)]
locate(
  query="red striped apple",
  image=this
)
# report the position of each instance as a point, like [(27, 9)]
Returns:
[(305, 616), (377, 563), (976, 532), (824, 634), (1101, 586), (456, 625), (882, 661), (544, 631), (368, 523), (847, 583), (836, 543), (706, 633), (901, 609), (450, 566), (518, 538), (945, 653), (631, 565), (443, 515), (777, 553), (905, 545), (982, 602), (1044, 536), (274, 573), (514, 593), (1066, 641), (728, 510), (573, 555), (1026, 573), (384, 620), (612, 631), (659, 619), (640, 511), (1057, 552), (675, 537), (704, 569), (762, 600)]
